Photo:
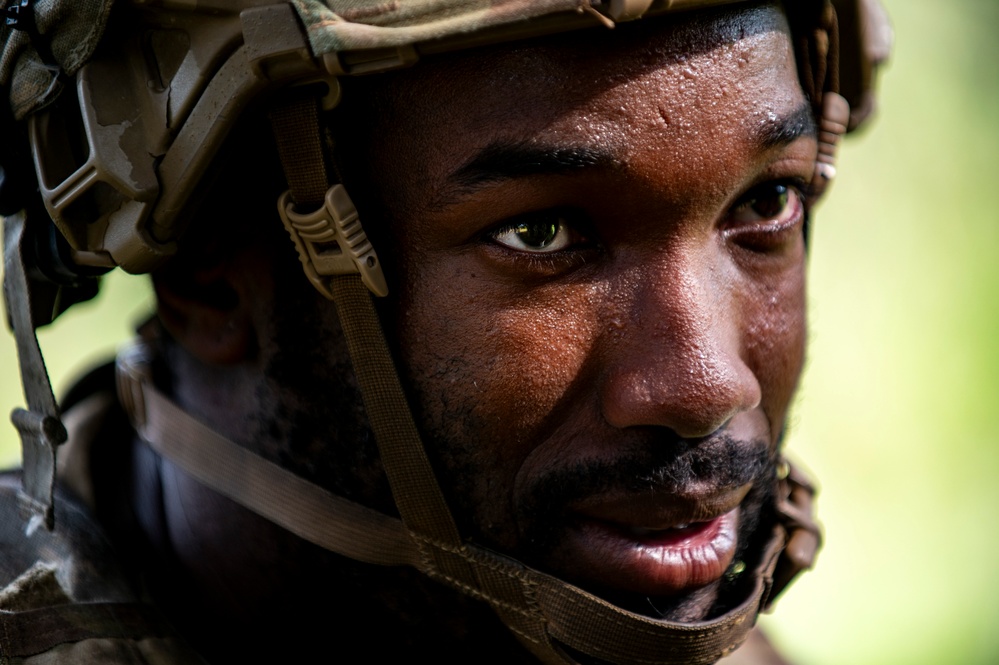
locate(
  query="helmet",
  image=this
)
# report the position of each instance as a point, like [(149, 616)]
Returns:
[(121, 125)]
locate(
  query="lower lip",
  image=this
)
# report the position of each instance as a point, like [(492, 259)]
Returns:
[(661, 563)]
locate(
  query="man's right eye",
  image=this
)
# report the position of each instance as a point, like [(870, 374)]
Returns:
[(544, 232)]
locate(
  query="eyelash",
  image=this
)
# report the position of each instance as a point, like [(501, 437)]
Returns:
[(768, 233), (564, 222), (762, 235), (544, 265)]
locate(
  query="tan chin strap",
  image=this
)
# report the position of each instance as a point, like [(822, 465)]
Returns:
[(546, 613)]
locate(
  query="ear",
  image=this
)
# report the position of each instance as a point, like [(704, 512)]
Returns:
[(208, 309)]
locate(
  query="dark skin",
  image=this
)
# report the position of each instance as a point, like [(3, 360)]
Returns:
[(597, 309)]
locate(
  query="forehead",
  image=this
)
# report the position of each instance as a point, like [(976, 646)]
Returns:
[(674, 79)]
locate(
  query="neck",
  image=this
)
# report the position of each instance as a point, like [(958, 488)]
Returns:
[(248, 577), (220, 572)]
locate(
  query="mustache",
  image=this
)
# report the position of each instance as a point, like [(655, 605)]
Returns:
[(670, 466)]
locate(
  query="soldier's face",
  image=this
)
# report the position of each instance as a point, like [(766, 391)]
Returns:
[(601, 314)]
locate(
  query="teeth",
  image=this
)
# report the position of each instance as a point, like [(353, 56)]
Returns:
[(643, 532)]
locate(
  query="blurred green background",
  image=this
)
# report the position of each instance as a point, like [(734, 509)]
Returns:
[(897, 412)]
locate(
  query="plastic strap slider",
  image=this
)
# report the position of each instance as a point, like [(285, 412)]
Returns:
[(32, 423), (331, 241)]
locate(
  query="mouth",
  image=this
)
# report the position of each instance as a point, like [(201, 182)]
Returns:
[(654, 545)]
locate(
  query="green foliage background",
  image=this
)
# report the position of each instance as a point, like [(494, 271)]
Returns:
[(897, 411)]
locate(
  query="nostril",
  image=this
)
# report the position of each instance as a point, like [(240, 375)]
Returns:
[(693, 399)]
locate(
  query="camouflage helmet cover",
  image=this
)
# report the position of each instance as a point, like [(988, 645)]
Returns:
[(152, 106)]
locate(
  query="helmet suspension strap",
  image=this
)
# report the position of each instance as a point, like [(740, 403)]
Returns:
[(414, 486)]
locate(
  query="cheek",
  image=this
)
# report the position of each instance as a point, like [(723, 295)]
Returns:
[(775, 337), (489, 371)]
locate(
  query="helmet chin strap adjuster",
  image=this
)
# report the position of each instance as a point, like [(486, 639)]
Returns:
[(832, 127), (629, 10), (331, 241)]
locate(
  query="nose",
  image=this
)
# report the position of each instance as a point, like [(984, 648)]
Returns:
[(677, 360)]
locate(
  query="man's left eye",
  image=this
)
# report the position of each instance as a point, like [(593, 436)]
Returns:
[(538, 233), (777, 203), (767, 218)]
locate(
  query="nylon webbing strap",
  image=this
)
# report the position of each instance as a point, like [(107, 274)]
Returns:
[(545, 613), (39, 426), (300, 147), (414, 486), (606, 631), (32, 632), (272, 492)]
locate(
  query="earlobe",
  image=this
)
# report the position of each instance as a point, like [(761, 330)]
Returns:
[(207, 312)]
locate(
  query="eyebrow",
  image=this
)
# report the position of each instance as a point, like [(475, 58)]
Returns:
[(508, 160), (779, 131)]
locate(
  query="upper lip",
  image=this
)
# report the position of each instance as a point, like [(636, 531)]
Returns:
[(661, 510)]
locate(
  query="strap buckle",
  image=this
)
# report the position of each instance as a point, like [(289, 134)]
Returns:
[(331, 241), (629, 10), (795, 512)]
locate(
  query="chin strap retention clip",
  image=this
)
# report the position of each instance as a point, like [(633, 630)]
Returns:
[(832, 126), (796, 513), (331, 241)]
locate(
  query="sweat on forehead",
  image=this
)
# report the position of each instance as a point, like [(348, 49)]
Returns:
[(694, 72), (563, 68)]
